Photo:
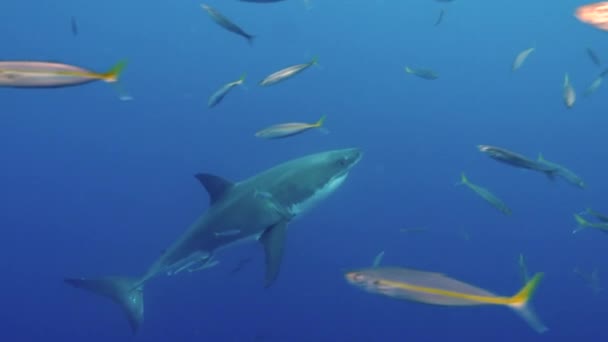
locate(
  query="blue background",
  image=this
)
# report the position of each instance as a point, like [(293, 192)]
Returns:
[(96, 186)]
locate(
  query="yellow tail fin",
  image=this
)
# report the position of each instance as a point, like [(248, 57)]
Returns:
[(320, 122), (114, 73), (520, 303), (463, 178)]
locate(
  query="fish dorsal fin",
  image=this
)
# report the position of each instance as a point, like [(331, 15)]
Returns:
[(216, 186)]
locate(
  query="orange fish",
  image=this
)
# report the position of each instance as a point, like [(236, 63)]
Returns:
[(594, 14)]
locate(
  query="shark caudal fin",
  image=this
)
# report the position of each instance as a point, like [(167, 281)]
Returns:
[(520, 303), (124, 291)]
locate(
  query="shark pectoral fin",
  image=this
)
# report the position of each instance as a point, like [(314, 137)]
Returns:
[(273, 240), (216, 186), (122, 290)]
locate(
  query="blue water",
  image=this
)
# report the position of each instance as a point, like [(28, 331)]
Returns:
[(92, 185)]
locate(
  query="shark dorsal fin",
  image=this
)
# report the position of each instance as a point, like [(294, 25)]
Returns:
[(216, 186)]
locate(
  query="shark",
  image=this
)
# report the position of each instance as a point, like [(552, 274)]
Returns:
[(237, 213)]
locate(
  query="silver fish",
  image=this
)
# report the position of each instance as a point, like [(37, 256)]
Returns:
[(287, 73)]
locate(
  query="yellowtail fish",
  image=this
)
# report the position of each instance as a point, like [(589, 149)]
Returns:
[(594, 86), (569, 94), (597, 215), (34, 74), (563, 172), (521, 58), (595, 15), (424, 73), (439, 289), (219, 95), (287, 73), (226, 23), (583, 224), (288, 129), (486, 195)]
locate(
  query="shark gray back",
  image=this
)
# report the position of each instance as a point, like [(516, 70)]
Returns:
[(237, 213)]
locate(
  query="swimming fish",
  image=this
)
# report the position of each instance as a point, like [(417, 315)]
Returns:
[(226, 23), (288, 129), (563, 172), (517, 160), (569, 94), (74, 26), (595, 15), (439, 289), (440, 17), (521, 58), (597, 215), (219, 95), (287, 73), (37, 74), (594, 57), (424, 73), (583, 224), (486, 195), (594, 86)]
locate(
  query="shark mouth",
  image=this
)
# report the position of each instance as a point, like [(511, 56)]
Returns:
[(320, 194)]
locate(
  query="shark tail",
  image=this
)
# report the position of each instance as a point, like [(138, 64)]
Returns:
[(124, 291)]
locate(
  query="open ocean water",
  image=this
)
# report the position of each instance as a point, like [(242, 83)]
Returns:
[(92, 185)]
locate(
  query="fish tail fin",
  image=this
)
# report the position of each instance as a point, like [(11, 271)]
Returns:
[(463, 179), (242, 78), (320, 122), (124, 291), (114, 73), (581, 223), (520, 303), (250, 39), (315, 60)]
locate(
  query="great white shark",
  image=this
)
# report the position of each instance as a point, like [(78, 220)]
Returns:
[(256, 209)]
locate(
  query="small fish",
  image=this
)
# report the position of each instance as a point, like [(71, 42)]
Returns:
[(569, 94), (440, 17), (229, 232), (439, 289), (35, 74), (517, 160), (288, 129), (563, 172), (224, 22), (595, 15), (597, 215), (74, 26), (219, 95), (594, 57), (521, 58), (486, 195), (378, 259), (424, 73), (594, 86), (287, 73), (523, 269), (583, 224)]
